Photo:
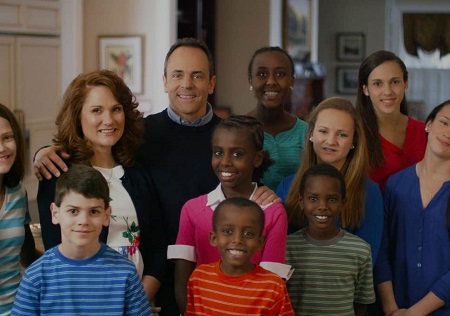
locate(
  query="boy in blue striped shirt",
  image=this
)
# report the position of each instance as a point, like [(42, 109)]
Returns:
[(81, 276)]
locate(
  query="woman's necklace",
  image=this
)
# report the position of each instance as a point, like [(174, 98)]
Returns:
[(111, 171), (429, 186), (108, 172)]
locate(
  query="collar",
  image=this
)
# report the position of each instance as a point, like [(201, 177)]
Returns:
[(199, 122), (216, 196)]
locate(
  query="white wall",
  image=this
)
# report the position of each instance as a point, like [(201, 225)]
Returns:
[(154, 19), (72, 40), (241, 28)]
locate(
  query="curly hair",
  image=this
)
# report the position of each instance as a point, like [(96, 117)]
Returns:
[(70, 134), (239, 202), (355, 168), (256, 135), (17, 171)]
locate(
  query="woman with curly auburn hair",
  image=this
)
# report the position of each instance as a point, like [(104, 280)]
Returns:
[(336, 137), (70, 133), (99, 125)]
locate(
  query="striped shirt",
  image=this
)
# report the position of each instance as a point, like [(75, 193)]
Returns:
[(13, 216), (259, 292), (104, 284), (330, 275)]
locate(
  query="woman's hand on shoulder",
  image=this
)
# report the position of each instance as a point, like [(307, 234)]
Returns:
[(263, 196)]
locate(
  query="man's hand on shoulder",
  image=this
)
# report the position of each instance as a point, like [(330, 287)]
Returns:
[(47, 160)]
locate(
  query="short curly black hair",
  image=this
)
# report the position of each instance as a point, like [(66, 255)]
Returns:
[(241, 203), (256, 133)]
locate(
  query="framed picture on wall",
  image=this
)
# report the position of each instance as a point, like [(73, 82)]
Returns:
[(298, 17), (350, 46), (346, 80), (123, 55)]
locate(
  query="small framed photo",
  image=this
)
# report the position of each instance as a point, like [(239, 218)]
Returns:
[(299, 27), (123, 55), (350, 46), (347, 80)]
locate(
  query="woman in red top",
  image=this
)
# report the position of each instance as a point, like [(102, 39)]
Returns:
[(395, 140)]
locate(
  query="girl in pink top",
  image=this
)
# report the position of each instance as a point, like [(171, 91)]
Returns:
[(395, 140), (238, 157)]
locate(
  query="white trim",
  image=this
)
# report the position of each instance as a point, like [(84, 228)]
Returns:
[(314, 31), (72, 41), (184, 252), (276, 23), (282, 270)]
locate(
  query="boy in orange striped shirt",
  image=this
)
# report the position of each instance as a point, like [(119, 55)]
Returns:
[(234, 285)]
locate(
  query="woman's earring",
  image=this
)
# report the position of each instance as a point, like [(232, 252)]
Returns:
[(311, 139), (251, 88), (426, 130), (353, 147)]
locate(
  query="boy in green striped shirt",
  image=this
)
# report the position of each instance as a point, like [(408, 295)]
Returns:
[(333, 268)]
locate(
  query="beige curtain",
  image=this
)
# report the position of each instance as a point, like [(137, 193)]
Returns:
[(428, 31)]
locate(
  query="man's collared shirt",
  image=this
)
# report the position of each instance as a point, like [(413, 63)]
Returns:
[(199, 122)]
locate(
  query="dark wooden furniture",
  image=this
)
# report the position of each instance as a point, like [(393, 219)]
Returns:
[(196, 18), (307, 93)]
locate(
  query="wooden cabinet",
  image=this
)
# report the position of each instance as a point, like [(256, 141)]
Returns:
[(31, 85), (307, 93), (30, 16), (30, 64)]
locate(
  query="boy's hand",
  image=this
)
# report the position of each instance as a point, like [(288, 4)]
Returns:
[(263, 196), (155, 310), (46, 161)]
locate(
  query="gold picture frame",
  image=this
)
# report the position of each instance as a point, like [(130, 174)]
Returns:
[(124, 56)]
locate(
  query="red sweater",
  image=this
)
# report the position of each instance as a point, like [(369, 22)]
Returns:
[(400, 158)]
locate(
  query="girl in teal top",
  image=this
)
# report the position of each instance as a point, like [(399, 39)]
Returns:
[(271, 78)]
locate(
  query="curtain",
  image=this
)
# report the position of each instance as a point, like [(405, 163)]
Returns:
[(427, 31)]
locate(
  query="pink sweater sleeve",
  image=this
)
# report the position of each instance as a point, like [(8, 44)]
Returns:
[(186, 229), (276, 234)]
